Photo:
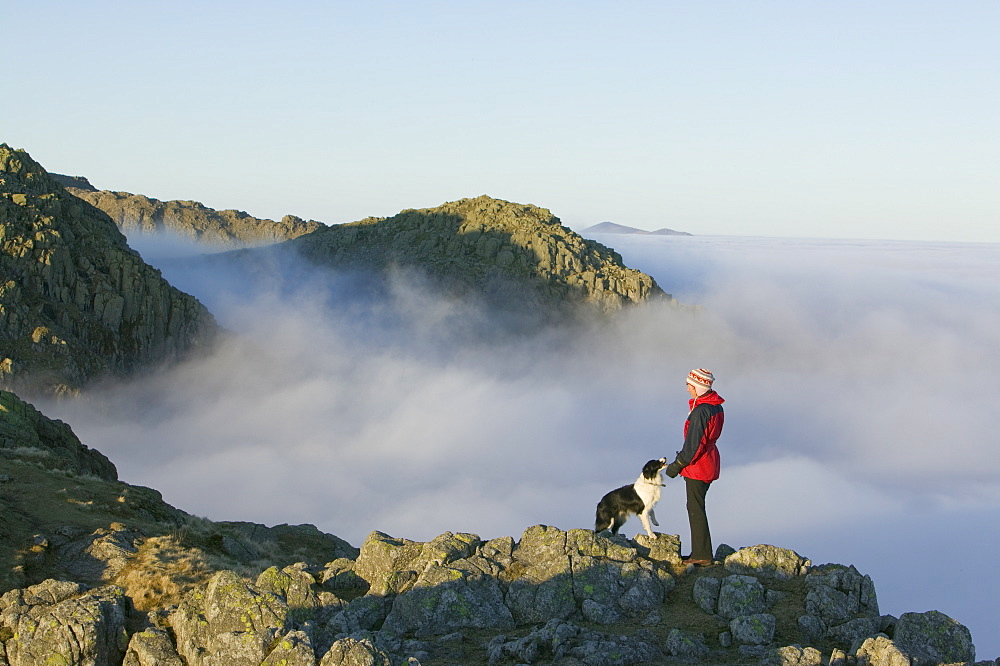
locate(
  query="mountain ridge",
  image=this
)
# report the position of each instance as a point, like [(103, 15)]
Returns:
[(515, 256), (137, 213)]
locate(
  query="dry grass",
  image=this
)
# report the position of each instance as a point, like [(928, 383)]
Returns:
[(162, 572)]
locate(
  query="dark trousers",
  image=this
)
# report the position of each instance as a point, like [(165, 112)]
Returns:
[(701, 538)]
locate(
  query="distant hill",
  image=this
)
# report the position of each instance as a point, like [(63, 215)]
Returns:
[(514, 257), (612, 228), (76, 302), (189, 219)]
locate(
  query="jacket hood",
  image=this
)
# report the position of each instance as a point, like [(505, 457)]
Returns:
[(712, 398)]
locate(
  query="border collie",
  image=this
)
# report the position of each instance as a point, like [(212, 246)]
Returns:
[(637, 499)]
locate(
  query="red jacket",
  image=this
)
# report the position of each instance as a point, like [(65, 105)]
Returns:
[(699, 459)]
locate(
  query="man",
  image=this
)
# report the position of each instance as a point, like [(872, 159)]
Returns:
[(698, 461)]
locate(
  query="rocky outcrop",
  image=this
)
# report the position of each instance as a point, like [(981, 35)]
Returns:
[(516, 258), (57, 622), (76, 302), (27, 434), (135, 213), (108, 573), (552, 596)]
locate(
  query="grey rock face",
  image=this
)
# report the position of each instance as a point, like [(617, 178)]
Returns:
[(77, 302), (49, 626)]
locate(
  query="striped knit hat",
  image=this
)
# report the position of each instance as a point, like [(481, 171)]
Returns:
[(700, 379)]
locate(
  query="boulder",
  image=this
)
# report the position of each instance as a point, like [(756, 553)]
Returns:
[(445, 599), (756, 629), (837, 593), (50, 624), (881, 651), (767, 562), (688, 646), (933, 638), (295, 586), (293, 649), (543, 590), (796, 655), (706, 594), (562, 573), (740, 595), (354, 652), (151, 647), (230, 623)]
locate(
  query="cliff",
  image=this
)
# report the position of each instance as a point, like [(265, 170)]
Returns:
[(100, 572), (188, 219), (76, 302), (513, 257)]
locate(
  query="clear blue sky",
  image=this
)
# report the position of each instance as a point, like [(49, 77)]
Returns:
[(780, 118)]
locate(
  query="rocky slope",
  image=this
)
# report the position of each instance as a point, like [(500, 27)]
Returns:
[(514, 257), (188, 219), (100, 572), (75, 301)]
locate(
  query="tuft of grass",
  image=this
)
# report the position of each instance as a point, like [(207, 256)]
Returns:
[(162, 572)]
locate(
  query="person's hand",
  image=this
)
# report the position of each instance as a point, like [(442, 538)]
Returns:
[(673, 469)]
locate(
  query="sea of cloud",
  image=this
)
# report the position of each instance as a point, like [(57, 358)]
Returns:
[(860, 377)]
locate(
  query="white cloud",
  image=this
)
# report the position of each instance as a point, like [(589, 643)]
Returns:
[(860, 380)]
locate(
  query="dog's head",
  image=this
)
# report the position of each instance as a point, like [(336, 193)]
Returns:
[(651, 470)]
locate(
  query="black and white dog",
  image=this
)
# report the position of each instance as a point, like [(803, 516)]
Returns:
[(637, 499)]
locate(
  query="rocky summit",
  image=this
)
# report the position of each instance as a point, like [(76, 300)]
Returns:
[(136, 213), (514, 257), (76, 302), (97, 572)]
